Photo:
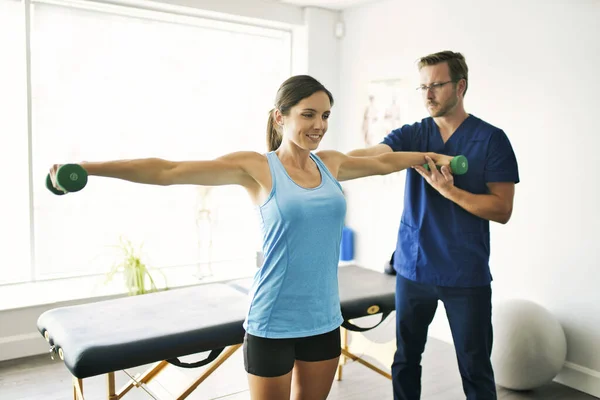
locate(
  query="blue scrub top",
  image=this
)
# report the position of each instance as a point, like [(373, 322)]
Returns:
[(439, 242)]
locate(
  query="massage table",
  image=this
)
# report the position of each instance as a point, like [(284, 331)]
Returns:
[(159, 328)]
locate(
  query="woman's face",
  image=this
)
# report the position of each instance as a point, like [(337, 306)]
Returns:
[(306, 123)]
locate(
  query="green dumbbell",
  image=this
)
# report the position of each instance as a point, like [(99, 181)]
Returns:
[(51, 188), (459, 165), (70, 177)]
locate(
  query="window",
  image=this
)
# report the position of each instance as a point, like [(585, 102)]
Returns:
[(113, 83), (14, 209)]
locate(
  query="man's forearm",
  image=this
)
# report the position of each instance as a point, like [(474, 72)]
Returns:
[(486, 206)]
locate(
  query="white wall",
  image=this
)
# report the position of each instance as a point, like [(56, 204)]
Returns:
[(316, 53), (533, 72), (323, 62)]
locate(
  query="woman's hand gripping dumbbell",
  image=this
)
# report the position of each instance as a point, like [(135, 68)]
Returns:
[(459, 165), (66, 178)]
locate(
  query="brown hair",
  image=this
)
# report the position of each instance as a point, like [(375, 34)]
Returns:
[(456, 64), (290, 93)]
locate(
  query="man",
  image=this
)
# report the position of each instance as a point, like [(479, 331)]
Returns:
[(443, 244)]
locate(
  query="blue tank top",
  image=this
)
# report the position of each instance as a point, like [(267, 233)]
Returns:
[(295, 292)]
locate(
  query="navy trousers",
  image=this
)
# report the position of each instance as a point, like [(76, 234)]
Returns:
[(469, 312)]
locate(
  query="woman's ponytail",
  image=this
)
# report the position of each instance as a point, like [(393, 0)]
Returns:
[(274, 136)]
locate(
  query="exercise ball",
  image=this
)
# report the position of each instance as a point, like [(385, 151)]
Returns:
[(529, 347)]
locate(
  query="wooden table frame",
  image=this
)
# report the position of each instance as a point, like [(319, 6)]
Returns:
[(346, 354), (141, 380)]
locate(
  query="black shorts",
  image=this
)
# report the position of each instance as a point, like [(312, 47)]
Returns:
[(275, 357)]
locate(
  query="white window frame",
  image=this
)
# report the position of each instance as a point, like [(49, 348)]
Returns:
[(138, 9)]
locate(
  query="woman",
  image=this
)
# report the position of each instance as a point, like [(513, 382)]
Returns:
[(292, 342)]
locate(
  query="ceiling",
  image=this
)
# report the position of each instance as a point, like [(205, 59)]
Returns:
[(330, 4)]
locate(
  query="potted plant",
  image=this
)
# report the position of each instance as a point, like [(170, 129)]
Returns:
[(137, 277)]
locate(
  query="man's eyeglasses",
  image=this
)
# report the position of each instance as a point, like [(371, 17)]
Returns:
[(434, 87)]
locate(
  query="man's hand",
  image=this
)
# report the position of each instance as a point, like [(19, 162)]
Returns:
[(442, 181), (494, 206)]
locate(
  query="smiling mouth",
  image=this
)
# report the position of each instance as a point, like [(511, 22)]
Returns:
[(314, 137)]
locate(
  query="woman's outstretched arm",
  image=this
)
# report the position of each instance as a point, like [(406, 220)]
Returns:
[(230, 169), (346, 167)]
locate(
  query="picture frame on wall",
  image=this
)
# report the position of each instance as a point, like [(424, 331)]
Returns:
[(383, 111)]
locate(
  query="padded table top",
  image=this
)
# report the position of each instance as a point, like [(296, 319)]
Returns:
[(361, 288), (112, 335)]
